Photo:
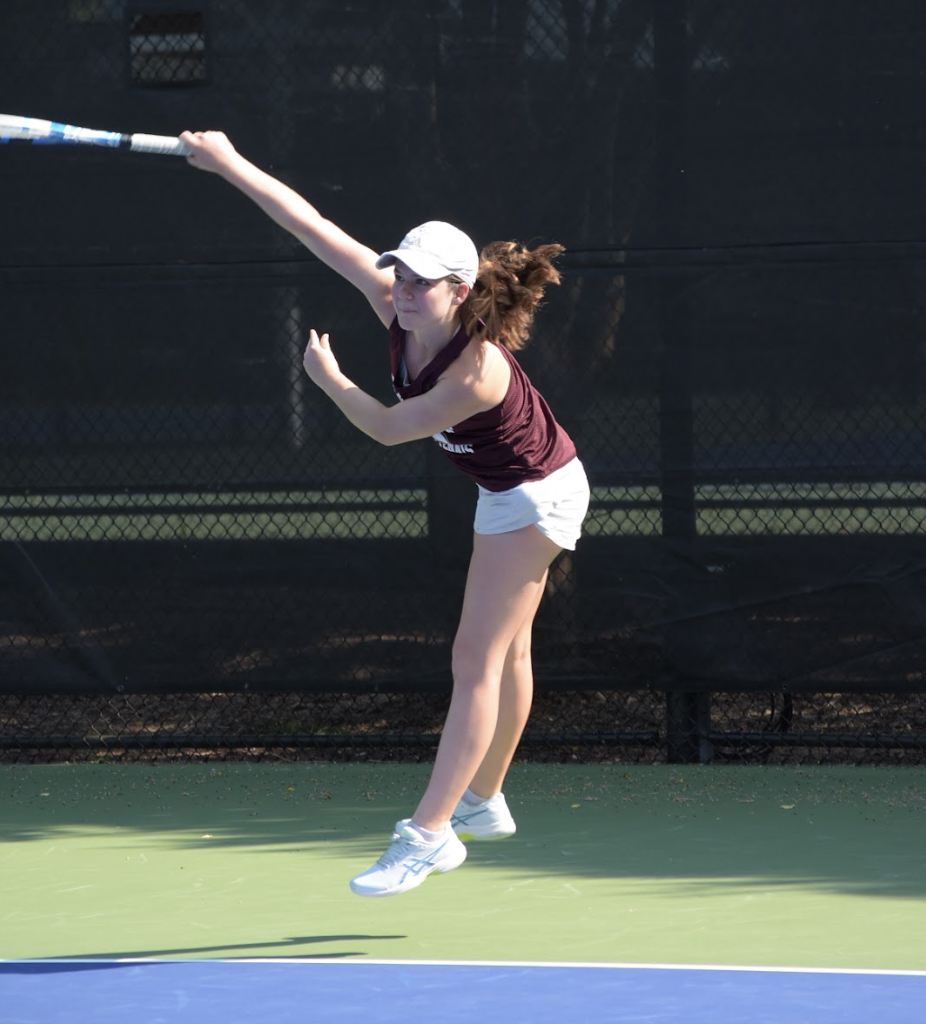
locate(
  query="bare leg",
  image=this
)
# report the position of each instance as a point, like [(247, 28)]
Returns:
[(504, 586), (514, 706)]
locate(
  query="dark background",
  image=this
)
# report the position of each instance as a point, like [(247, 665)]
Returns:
[(737, 349)]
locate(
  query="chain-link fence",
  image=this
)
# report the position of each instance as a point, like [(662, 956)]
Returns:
[(200, 555)]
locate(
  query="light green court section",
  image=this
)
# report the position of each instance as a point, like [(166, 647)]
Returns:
[(813, 867)]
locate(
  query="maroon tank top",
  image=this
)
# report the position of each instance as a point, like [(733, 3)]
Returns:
[(516, 441)]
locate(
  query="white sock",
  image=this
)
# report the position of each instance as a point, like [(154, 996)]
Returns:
[(426, 834), (472, 799)]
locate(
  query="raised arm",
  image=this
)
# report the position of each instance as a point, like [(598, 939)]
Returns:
[(469, 386), (212, 151)]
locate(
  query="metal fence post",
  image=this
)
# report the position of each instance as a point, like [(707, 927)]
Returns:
[(687, 711)]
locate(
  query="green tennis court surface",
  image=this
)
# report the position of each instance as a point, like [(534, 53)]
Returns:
[(772, 867)]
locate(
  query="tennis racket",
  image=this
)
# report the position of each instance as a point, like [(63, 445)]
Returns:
[(51, 133)]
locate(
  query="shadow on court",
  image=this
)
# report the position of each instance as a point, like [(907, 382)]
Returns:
[(853, 829), (290, 947), (816, 867)]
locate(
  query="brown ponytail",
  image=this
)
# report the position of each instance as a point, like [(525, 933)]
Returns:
[(501, 305)]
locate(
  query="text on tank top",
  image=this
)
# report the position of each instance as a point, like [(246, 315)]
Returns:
[(516, 441)]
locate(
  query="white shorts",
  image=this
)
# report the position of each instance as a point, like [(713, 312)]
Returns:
[(557, 505)]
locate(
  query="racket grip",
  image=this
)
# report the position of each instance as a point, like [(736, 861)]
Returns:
[(164, 144)]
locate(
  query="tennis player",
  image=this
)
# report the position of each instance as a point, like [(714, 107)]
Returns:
[(454, 319)]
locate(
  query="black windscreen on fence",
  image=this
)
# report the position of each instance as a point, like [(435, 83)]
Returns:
[(197, 550)]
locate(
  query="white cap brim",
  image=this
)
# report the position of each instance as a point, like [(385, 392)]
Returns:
[(419, 263), (434, 250)]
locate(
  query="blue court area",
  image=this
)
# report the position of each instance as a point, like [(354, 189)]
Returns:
[(291, 991)]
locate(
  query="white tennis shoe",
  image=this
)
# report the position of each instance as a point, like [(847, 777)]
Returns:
[(408, 861), (489, 819)]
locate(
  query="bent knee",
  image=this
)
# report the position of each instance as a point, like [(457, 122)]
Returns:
[(473, 665), (519, 658)]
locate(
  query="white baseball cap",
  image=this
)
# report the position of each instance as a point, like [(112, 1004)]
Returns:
[(435, 250)]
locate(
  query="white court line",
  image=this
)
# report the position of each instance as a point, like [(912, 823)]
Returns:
[(308, 962), (607, 966)]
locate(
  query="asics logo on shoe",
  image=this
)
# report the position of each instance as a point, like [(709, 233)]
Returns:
[(415, 865)]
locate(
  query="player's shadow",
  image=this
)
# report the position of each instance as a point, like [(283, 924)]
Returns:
[(231, 951)]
